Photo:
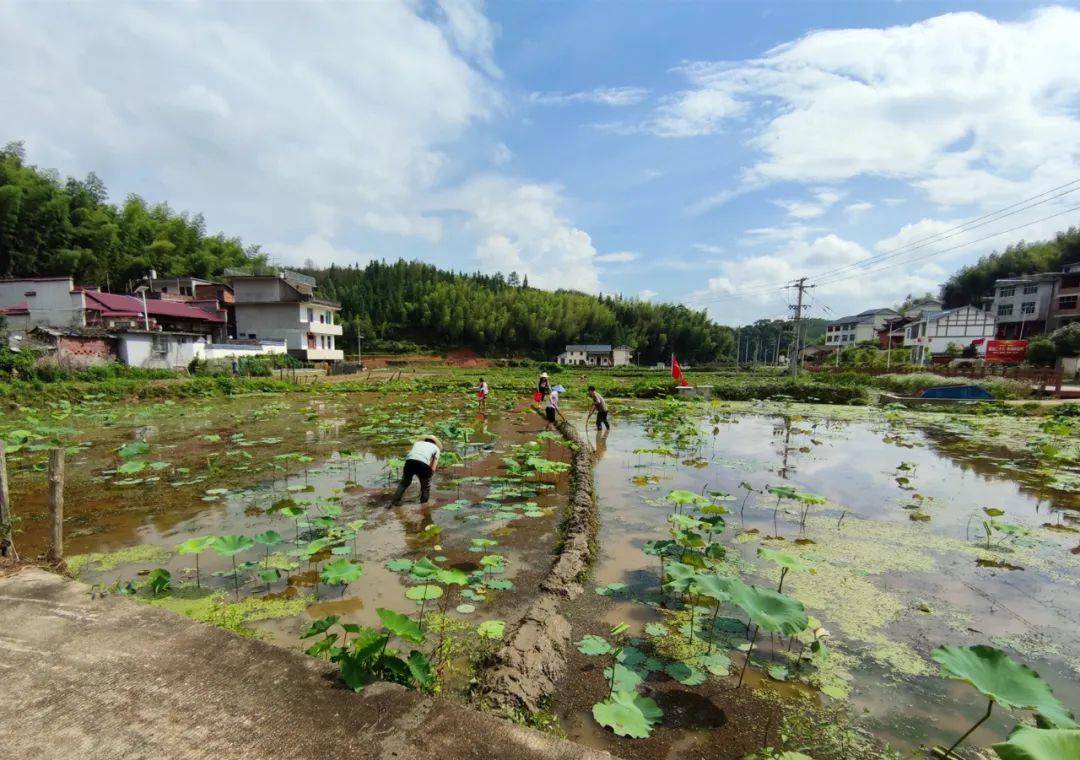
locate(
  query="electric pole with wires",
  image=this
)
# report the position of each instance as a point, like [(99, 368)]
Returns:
[(797, 307)]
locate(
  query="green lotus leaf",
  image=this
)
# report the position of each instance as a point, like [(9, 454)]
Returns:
[(684, 497), (679, 576), (711, 585), (133, 449), (422, 593), (159, 580), (1028, 743), (269, 538), (784, 492), (322, 625), (778, 673), (465, 609), (611, 588), (269, 575), (401, 626), (715, 663), (227, 546), (993, 511), (399, 565), (656, 630), (452, 577), (662, 548), (131, 467), (784, 559), (420, 669), (626, 679), (593, 645), (685, 674), (1011, 684), (770, 610), (491, 629), (423, 569), (196, 545), (340, 572), (627, 713), (498, 584)]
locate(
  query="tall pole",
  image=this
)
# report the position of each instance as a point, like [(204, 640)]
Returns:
[(7, 528), (145, 315), (801, 285), (56, 505)]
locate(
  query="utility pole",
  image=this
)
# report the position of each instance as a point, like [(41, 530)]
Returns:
[(793, 360)]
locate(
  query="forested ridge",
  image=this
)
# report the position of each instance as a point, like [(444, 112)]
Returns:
[(55, 226), (971, 283)]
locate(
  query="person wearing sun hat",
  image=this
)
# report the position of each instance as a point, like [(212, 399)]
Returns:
[(543, 387), (421, 462)]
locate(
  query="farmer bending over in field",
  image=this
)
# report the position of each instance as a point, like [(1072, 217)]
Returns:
[(551, 408), (600, 407), (422, 461)]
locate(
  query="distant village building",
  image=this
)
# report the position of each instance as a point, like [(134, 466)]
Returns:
[(284, 307), (864, 326), (1065, 305), (595, 355), (892, 330), (1022, 305), (933, 334)]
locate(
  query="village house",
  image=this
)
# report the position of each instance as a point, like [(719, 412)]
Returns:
[(595, 355), (284, 307), (1022, 304), (858, 328), (1065, 304), (892, 330), (933, 335)]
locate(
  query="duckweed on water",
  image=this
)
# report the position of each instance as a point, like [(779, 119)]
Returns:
[(216, 609), (101, 561)]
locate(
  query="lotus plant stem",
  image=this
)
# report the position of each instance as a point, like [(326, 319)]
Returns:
[(198, 580), (776, 509), (423, 602), (712, 626), (783, 572), (236, 578), (989, 707), (746, 662)]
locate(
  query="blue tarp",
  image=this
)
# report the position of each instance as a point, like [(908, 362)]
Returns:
[(957, 391)]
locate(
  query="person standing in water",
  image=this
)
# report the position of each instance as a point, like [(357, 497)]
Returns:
[(482, 393), (600, 407), (551, 408), (421, 462)]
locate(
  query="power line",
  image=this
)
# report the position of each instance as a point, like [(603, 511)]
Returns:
[(969, 225), (876, 269)]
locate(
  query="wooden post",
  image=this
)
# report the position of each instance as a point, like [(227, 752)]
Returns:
[(56, 505), (7, 529)]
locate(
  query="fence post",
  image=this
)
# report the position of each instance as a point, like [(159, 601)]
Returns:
[(7, 528), (56, 505)]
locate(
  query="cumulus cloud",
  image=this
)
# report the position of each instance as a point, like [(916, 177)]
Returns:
[(855, 210), (617, 257), (821, 202), (605, 96), (963, 107), (520, 228), (646, 295)]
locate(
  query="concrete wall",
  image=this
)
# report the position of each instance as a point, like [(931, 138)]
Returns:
[(51, 303), (239, 350), (275, 321), (261, 289), (159, 350), (1012, 305)]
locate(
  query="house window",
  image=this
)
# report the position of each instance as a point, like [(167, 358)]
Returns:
[(159, 345), (1029, 289), (1007, 292), (1066, 303), (1028, 307), (185, 290), (322, 318), (1005, 310), (310, 315), (251, 336)]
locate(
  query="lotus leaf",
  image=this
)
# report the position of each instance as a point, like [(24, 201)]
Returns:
[(399, 565), (269, 538), (228, 546), (783, 559), (1010, 684), (196, 545), (400, 625), (1028, 743), (491, 629), (680, 576), (656, 630), (423, 593), (420, 669), (685, 674), (625, 679), (593, 645), (340, 572), (770, 610), (628, 714)]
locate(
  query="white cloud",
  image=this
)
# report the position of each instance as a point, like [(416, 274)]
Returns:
[(519, 228), (709, 248), (605, 96), (855, 210), (351, 107), (618, 257), (501, 154), (647, 295), (963, 107), (822, 201)]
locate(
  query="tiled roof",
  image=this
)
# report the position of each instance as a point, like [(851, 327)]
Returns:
[(592, 348), (116, 305)]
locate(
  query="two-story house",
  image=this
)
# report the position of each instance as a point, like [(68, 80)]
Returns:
[(937, 331), (595, 355), (864, 326), (892, 331), (285, 307), (1021, 305)]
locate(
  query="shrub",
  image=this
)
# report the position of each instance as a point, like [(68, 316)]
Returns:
[(1042, 352)]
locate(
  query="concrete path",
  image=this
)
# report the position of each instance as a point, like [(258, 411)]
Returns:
[(112, 678)]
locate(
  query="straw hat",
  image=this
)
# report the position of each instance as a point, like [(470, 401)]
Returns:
[(543, 374), (432, 439)]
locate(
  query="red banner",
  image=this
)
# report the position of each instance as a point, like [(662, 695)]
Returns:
[(1013, 351), (676, 372)]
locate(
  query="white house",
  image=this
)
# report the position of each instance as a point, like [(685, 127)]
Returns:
[(937, 330), (864, 326), (1022, 304), (284, 307), (595, 355), (29, 302), (159, 350)]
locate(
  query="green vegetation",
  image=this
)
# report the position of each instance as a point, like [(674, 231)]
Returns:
[(143, 554)]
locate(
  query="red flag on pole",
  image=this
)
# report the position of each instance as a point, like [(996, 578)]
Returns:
[(676, 372)]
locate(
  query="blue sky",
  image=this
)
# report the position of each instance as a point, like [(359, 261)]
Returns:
[(702, 153)]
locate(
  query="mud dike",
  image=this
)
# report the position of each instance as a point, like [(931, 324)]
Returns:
[(526, 670)]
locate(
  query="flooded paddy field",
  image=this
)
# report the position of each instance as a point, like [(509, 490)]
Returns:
[(899, 532), (296, 490)]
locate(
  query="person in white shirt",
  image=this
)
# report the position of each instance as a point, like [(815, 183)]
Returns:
[(551, 408), (421, 462), (482, 393)]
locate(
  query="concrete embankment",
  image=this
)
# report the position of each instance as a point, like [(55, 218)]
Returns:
[(104, 677)]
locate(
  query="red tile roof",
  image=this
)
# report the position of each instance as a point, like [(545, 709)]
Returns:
[(16, 308), (115, 305)]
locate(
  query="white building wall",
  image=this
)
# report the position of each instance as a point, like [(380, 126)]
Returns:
[(51, 302), (160, 350)]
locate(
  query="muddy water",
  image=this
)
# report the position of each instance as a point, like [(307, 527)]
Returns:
[(226, 461), (888, 587)]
